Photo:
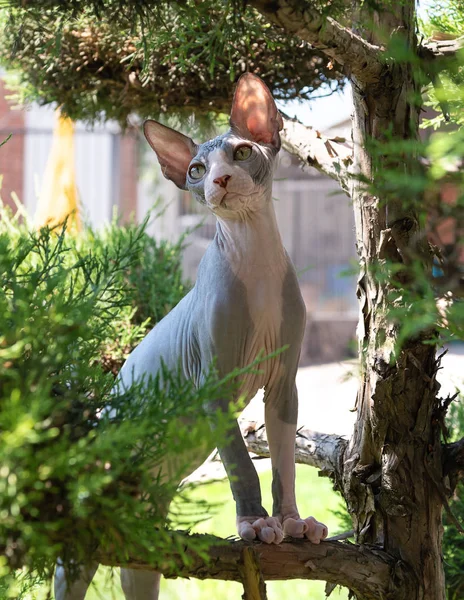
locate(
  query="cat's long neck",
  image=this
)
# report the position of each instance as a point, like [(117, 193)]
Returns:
[(253, 244)]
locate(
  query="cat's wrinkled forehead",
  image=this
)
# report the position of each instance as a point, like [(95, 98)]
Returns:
[(259, 166), (228, 142), (221, 141)]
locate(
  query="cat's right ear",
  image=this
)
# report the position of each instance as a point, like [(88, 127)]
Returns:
[(173, 149)]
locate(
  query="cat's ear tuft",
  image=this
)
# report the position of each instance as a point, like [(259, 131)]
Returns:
[(173, 149), (254, 113)]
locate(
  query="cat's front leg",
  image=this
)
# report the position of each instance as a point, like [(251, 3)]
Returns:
[(281, 411), (253, 522)]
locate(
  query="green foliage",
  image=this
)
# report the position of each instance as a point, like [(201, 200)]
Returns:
[(128, 61), (152, 284), (445, 16), (419, 187), (5, 140), (453, 540), (444, 20), (78, 461), (419, 184)]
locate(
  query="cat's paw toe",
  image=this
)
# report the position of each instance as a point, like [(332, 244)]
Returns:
[(246, 531), (309, 528), (266, 529), (316, 531), (267, 535), (270, 531), (295, 527)]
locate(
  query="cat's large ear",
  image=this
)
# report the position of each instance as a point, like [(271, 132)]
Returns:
[(254, 114), (173, 149)]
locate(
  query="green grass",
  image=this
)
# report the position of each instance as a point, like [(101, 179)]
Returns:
[(315, 497)]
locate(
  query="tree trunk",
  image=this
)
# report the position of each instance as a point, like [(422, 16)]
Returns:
[(392, 470)]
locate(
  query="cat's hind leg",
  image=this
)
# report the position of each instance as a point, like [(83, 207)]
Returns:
[(140, 585), (145, 585), (75, 588)]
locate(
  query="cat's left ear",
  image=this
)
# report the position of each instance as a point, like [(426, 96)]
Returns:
[(254, 114), (173, 149)]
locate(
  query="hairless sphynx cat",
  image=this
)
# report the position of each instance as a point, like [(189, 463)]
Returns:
[(246, 300)]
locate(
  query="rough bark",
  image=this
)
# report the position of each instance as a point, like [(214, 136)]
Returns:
[(331, 156), (369, 572), (359, 56), (393, 465), (441, 48)]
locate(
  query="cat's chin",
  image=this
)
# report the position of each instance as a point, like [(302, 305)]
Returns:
[(216, 203), (229, 203), (229, 200), (239, 212), (234, 206)]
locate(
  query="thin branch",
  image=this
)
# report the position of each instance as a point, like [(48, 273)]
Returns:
[(359, 57), (441, 48), (321, 450), (342, 536), (369, 572), (329, 156), (453, 459)]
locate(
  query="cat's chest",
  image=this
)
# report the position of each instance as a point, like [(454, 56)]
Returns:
[(263, 333), (264, 297), (264, 302)]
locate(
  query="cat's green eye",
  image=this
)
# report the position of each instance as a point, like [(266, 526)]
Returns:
[(197, 171), (242, 153)]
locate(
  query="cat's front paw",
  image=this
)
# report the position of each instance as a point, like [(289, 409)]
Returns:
[(309, 528), (266, 529)]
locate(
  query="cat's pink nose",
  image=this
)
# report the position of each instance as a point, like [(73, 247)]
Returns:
[(222, 181)]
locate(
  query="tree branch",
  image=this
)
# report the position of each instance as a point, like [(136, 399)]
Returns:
[(329, 156), (359, 57), (371, 573), (441, 48), (453, 459), (321, 450)]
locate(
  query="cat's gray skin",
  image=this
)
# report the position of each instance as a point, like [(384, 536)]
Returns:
[(246, 300)]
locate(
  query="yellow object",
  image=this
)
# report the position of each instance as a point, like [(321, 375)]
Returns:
[(59, 198)]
